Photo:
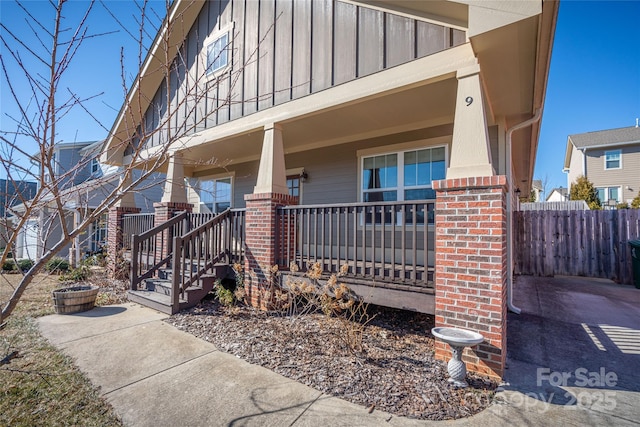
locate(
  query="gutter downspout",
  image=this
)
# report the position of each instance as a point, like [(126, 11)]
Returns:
[(529, 122)]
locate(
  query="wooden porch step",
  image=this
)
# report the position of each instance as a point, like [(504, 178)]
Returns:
[(154, 300), (157, 292)]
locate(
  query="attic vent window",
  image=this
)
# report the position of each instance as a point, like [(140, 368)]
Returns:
[(217, 55)]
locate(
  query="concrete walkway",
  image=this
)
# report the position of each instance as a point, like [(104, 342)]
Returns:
[(156, 375)]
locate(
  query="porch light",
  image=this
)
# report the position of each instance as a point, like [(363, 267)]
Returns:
[(303, 176)]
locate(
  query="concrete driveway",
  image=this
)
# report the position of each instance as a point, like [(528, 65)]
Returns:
[(575, 347)]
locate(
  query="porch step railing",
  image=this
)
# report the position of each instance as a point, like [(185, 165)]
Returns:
[(197, 252), (390, 242), (151, 250), (190, 244)]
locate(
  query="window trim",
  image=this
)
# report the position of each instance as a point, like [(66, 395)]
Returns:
[(297, 172), (608, 152), (435, 143), (606, 193), (208, 41), (397, 149), (217, 177), (94, 166)]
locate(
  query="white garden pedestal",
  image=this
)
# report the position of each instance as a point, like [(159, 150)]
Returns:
[(457, 339)]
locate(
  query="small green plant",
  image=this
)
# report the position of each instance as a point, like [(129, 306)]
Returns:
[(25, 264), (635, 203), (9, 265), (623, 205), (57, 265), (79, 274), (225, 296)]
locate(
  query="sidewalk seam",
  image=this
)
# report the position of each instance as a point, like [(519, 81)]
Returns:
[(306, 409), (108, 332), (160, 372)]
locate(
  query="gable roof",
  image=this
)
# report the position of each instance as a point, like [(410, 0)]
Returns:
[(605, 138), (560, 190)]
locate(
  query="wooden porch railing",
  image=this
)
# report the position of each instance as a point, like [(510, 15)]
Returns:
[(135, 224), (150, 250), (191, 244), (391, 242), (198, 251)]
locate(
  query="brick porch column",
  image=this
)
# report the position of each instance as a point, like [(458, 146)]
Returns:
[(114, 235), (164, 211), (261, 242), (471, 267)]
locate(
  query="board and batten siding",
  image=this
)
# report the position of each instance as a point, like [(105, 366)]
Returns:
[(627, 176), (282, 50)]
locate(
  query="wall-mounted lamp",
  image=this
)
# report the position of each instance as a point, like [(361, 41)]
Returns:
[(303, 176), (518, 192)]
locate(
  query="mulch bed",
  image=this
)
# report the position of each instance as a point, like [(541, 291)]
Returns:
[(395, 371)]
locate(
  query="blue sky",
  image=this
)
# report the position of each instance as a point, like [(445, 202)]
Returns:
[(594, 80)]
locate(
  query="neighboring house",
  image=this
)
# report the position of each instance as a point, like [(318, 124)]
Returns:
[(339, 126), (610, 159), (559, 194), (82, 182), (536, 189), (13, 193)]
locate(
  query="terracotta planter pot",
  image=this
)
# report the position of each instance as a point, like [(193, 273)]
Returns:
[(74, 299)]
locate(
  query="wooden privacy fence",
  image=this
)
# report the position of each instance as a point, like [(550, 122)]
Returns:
[(576, 243)]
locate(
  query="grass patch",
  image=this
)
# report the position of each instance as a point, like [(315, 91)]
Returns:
[(42, 386)]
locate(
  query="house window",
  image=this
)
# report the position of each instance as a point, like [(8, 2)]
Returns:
[(608, 193), (293, 184), (95, 166), (99, 235), (215, 194), (612, 159), (217, 54), (406, 175)]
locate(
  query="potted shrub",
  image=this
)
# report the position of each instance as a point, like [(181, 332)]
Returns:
[(75, 297)]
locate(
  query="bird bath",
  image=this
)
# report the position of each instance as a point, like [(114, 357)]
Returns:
[(457, 339)]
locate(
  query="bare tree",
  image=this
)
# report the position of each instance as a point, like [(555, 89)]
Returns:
[(51, 97)]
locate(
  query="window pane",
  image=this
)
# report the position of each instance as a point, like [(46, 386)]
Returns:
[(222, 206), (410, 168), (223, 190), (438, 167), (217, 54), (293, 184), (380, 172), (420, 194), (380, 196), (613, 193), (612, 159), (600, 192)]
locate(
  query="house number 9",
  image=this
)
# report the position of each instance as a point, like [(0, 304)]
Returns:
[(469, 100)]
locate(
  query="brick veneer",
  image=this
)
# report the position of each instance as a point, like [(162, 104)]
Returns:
[(471, 266), (260, 241), (114, 234), (164, 211)]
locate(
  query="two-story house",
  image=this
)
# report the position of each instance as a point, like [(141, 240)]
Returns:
[(388, 136), (82, 182), (610, 159)]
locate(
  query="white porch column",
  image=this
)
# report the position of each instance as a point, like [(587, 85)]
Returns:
[(272, 176), (470, 151), (174, 188), (128, 200)]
